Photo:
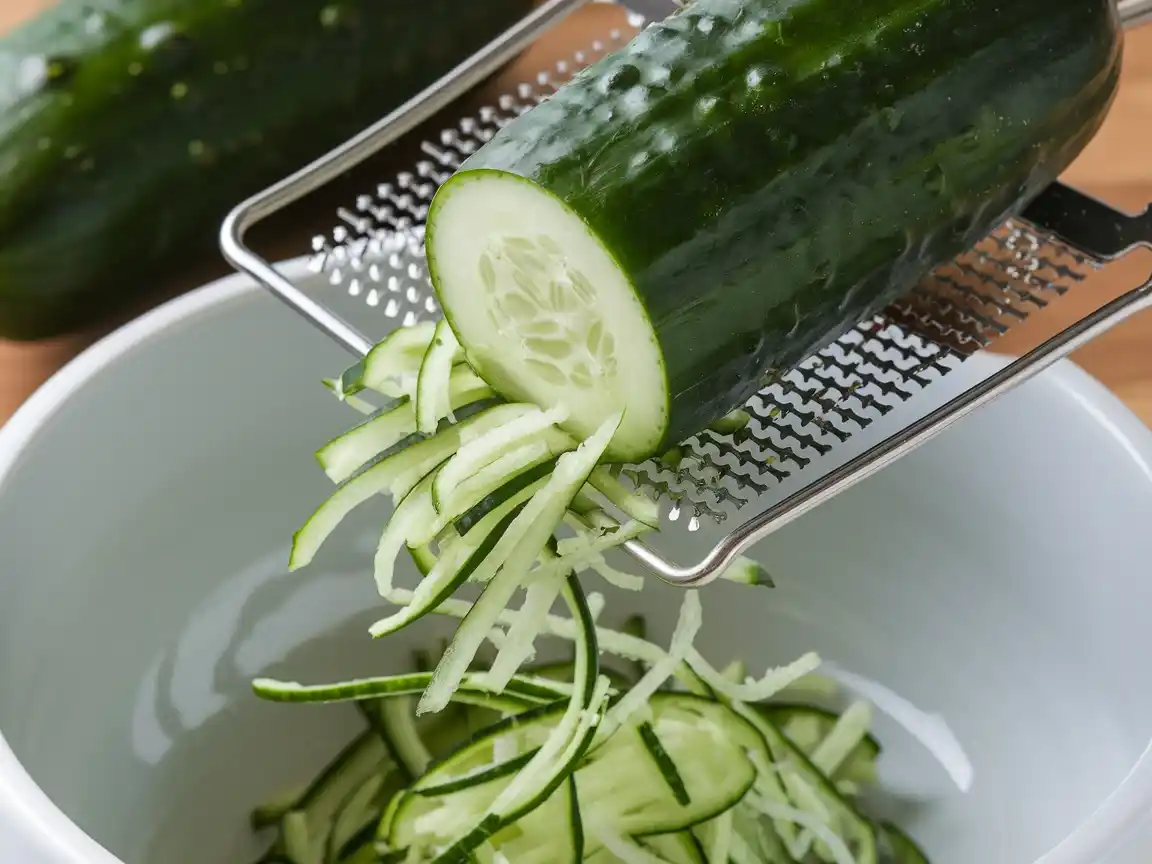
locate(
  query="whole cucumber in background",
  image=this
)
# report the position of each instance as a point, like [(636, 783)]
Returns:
[(745, 181), (129, 128)]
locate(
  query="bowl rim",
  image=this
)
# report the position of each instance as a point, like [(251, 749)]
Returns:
[(31, 821)]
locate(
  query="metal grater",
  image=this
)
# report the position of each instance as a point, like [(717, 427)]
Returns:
[(732, 490)]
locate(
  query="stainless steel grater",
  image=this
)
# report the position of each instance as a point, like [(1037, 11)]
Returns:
[(790, 459)]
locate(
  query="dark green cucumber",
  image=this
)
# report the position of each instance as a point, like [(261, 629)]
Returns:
[(128, 128), (765, 173)]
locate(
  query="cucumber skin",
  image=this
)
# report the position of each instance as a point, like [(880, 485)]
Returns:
[(771, 172), (121, 166)]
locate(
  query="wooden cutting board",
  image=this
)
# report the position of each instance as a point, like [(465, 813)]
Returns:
[(1116, 167)]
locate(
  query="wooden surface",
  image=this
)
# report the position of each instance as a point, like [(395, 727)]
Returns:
[(1117, 167)]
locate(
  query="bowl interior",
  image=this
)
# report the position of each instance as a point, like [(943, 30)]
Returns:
[(991, 578)]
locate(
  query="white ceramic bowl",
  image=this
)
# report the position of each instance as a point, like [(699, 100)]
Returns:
[(148, 493)]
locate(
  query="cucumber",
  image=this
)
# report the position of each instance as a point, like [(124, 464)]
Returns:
[(743, 182), (806, 727), (130, 127)]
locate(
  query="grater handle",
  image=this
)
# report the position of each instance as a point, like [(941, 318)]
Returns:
[(404, 119), (1088, 224)]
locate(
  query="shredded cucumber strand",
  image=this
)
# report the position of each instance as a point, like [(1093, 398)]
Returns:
[(721, 846), (835, 843), (843, 738), (414, 510), (530, 621), (583, 707), (613, 642), (683, 636), (433, 401), (510, 559), (741, 852), (479, 452), (626, 850), (494, 474), (773, 681), (560, 749)]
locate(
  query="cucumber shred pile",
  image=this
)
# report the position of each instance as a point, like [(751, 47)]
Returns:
[(492, 759), (578, 761)]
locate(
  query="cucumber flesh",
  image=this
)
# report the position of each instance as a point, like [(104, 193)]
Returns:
[(535, 325)]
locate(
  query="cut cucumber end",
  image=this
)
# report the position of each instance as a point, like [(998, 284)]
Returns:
[(543, 310)]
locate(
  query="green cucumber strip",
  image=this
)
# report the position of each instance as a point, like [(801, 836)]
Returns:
[(357, 813), (350, 382), (473, 689), (397, 358), (491, 492), (619, 644), (398, 725), (560, 732), (814, 688), (732, 423), (634, 504), (899, 847), (342, 456), (596, 534), (524, 732), (272, 811), (299, 845), (576, 820), (479, 778), (465, 523), (529, 622), (664, 763), (806, 727), (456, 564), (482, 450), (678, 848), (508, 562), (451, 438), (490, 477), (432, 391), (837, 848), (425, 559), (736, 671), (562, 670), (716, 837), (360, 848), (398, 473), (745, 571), (638, 696), (804, 780), (314, 811), (637, 626), (552, 833), (772, 681), (843, 739), (624, 848), (414, 510)]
